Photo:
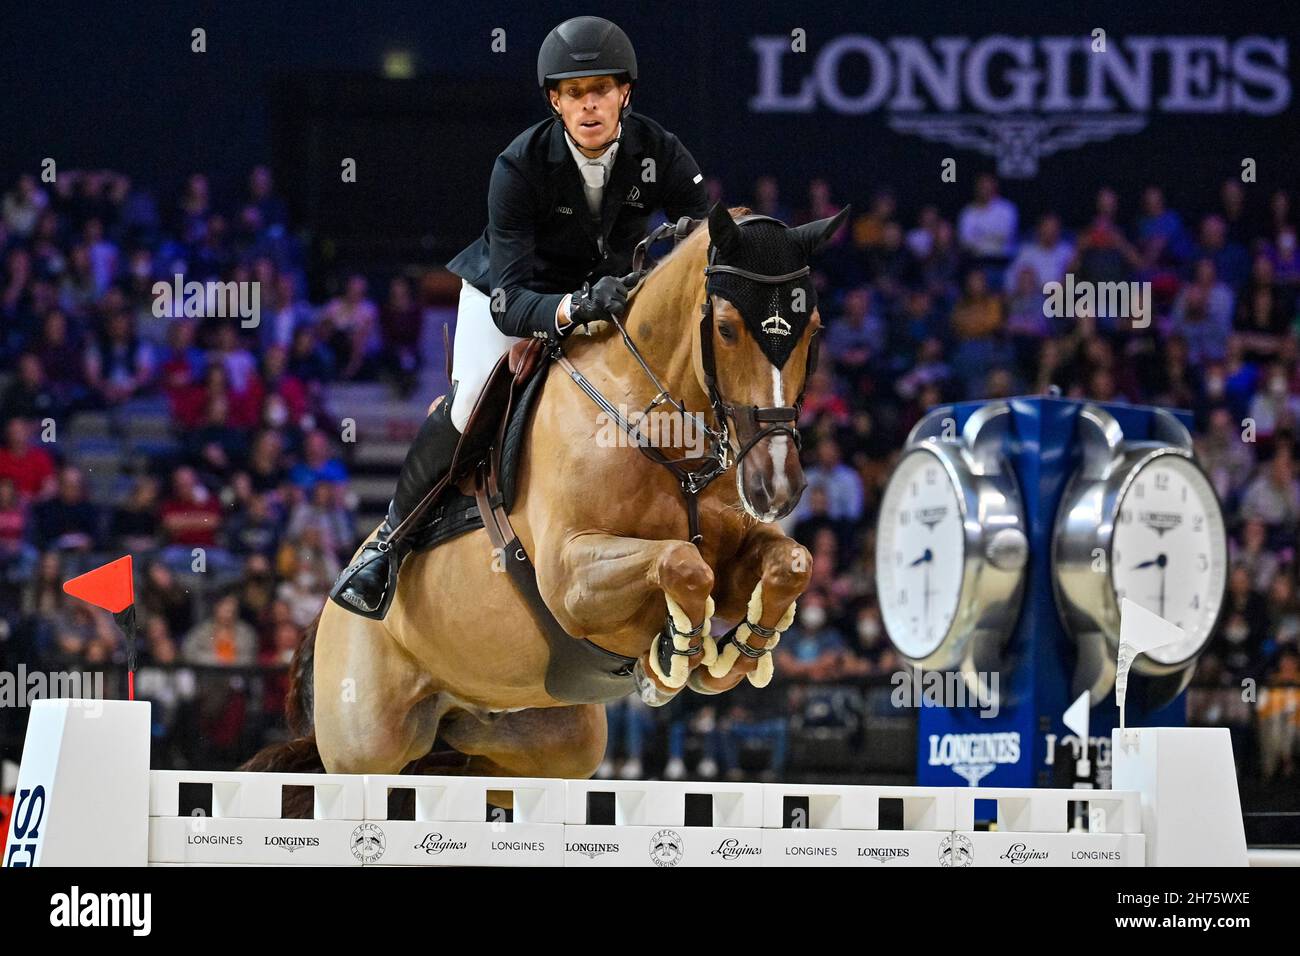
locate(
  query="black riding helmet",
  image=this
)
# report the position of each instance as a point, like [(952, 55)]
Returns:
[(584, 46)]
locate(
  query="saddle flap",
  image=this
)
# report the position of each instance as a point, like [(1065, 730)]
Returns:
[(525, 357), (497, 427)]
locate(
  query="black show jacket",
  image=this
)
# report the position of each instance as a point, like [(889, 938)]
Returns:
[(542, 242)]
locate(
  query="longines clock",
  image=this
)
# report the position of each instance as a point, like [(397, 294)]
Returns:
[(1138, 519), (951, 546)]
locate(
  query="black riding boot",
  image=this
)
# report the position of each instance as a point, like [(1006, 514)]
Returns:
[(367, 586)]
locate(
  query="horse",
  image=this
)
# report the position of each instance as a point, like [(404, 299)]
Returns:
[(621, 561)]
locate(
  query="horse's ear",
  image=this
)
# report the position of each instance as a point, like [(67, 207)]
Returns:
[(813, 235), (723, 231)]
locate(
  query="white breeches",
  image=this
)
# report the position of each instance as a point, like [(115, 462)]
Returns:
[(479, 344)]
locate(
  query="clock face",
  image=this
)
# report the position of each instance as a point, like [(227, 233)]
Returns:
[(920, 554), (1169, 551)]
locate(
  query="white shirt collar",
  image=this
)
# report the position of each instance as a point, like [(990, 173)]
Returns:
[(605, 159)]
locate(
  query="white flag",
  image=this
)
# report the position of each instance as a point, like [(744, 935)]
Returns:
[(1140, 630), (1076, 718)]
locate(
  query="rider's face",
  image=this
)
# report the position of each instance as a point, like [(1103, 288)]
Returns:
[(589, 107)]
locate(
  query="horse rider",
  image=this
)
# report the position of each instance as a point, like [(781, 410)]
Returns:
[(568, 201)]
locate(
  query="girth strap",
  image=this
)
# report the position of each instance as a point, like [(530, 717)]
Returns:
[(578, 671)]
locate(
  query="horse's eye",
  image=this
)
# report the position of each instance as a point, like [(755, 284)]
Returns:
[(727, 332)]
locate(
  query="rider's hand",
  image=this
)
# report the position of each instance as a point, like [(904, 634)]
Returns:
[(598, 303)]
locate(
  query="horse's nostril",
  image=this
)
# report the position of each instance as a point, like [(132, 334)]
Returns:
[(759, 491), (792, 500), (797, 489)]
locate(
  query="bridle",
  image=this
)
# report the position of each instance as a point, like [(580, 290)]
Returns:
[(751, 423)]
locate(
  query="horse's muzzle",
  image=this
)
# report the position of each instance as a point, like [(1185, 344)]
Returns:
[(770, 478)]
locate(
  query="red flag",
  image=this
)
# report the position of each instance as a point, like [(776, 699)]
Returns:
[(109, 587)]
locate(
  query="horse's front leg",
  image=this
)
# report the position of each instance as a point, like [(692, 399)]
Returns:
[(601, 587), (782, 567)]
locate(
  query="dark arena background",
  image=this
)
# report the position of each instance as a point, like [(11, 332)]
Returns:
[(336, 156)]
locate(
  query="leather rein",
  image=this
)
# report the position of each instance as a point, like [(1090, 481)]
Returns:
[(751, 423)]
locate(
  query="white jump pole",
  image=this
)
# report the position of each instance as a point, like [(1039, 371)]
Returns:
[(84, 798)]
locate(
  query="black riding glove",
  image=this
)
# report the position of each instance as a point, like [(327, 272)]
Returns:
[(601, 302)]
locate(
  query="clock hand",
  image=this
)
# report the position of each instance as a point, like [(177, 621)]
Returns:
[(1163, 563), (923, 559)]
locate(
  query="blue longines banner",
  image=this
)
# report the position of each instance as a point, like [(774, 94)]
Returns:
[(1057, 105), (1056, 101), (1020, 99)]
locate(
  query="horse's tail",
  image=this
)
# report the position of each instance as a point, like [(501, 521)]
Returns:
[(298, 702), (299, 754)]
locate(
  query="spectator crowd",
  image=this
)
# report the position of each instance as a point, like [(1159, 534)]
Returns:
[(240, 513), (920, 307)]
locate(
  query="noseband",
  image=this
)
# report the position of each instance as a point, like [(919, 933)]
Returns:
[(751, 423)]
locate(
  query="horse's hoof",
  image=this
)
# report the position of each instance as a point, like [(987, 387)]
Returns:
[(696, 683), (650, 692)]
